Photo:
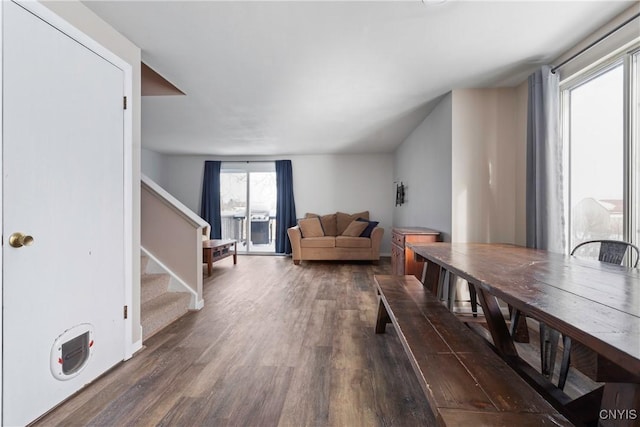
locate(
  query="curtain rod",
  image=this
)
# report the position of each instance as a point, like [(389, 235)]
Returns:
[(553, 70)]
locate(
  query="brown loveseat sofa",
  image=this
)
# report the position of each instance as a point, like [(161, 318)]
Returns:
[(337, 236)]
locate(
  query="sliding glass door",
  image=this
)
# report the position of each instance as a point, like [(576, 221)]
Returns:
[(248, 205)]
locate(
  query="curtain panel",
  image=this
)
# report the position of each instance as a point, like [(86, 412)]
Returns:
[(285, 206), (544, 203), (544, 200), (210, 205)]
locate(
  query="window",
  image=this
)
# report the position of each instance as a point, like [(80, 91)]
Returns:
[(600, 133)]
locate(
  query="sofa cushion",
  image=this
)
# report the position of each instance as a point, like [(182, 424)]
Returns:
[(345, 219), (329, 223), (353, 242), (319, 242), (355, 228), (310, 227), (370, 226)]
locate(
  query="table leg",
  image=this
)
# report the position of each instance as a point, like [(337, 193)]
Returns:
[(382, 318), (235, 253), (430, 274), (209, 255), (548, 348), (495, 322), (518, 327), (451, 290)]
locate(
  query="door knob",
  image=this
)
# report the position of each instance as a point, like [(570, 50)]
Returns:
[(17, 240)]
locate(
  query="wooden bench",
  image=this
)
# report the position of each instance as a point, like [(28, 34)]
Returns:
[(465, 382)]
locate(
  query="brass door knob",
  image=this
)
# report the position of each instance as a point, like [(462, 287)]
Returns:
[(18, 240)]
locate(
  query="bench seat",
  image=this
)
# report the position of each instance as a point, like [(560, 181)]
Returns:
[(465, 382)]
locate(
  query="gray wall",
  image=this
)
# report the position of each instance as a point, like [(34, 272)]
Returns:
[(153, 166), (463, 170), (322, 183), (423, 164)]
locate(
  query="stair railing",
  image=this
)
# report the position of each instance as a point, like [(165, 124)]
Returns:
[(173, 235)]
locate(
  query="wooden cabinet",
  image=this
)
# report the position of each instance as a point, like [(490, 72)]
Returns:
[(402, 259)]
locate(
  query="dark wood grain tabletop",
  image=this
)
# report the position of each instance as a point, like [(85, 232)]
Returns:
[(591, 301)]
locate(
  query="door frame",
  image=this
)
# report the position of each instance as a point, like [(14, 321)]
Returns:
[(62, 25)]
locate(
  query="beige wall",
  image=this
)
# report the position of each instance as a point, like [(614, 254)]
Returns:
[(520, 141), (89, 23), (484, 146), (173, 238), (465, 167)]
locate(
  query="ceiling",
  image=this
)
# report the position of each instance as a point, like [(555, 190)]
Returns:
[(314, 77)]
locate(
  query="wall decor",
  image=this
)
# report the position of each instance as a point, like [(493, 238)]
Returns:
[(399, 194)]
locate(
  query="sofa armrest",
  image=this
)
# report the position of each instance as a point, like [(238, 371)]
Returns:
[(295, 236), (376, 241)]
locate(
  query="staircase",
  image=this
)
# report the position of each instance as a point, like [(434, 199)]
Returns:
[(159, 306)]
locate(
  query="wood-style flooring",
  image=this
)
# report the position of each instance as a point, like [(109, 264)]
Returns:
[(275, 345)]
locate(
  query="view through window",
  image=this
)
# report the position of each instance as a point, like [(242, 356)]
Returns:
[(597, 158), (601, 132)]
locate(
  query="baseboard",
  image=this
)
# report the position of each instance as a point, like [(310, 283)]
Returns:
[(134, 348)]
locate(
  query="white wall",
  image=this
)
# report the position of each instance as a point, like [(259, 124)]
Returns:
[(89, 23), (322, 184), (423, 164), (154, 166)]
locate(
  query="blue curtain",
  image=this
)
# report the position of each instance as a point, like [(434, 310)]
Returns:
[(210, 205), (286, 206), (545, 205)]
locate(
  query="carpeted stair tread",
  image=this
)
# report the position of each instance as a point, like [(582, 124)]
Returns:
[(153, 285), (163, 310)]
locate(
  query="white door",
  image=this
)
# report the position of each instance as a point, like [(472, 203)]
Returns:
[(63, 184)]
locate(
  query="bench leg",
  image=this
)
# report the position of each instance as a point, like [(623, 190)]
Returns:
[(383, 318)]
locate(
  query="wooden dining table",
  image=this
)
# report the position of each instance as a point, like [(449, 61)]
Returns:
[(595, 303)]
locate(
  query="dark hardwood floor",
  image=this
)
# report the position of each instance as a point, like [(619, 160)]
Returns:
[(275, 344)]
